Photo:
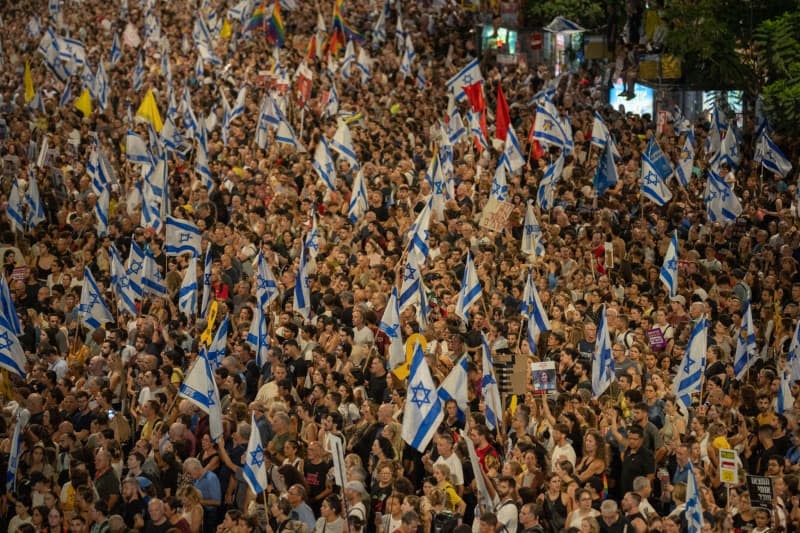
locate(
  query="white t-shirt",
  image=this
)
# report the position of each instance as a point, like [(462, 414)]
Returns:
[(565, 451), (456, 470)]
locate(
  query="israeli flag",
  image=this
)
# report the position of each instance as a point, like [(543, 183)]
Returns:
[(721, 204), (379, 30), (600, 133), (66, 95), (409, 54), (312, 237), (421, 82), (12, 356), (468, 75), (207, 290), (547, 187), (535, 312), (14, 208), (423, 309), (653, 185), (499, 190), (136, 150), (342, 143), (182, 236), (746, 350), (121, 285), (34, 201), (669, 269), (101, 212), (606, 175), (390, 325), (359, 203), (285, 135), (728, 151), (690, 373), (349, 59), (685, 161), (694, 509), (412, 278), (258, 336), (189, 118), (364, 64), (420, 231), (602, 361), (116, 50), (531, 234), (785, 400), (454, 387), (200, 388), (135, 268), (793, 356), (547, 127), (474, 121), (262, 128), (772, 157), (187, 294), (152, 282), (239, 105), (219, 345), (332, 103), (241, 12), (493, 406), (254, 470), (323, 164), (470, 290), (512, 156), (658, 160), (138, 73), (266, 287), (8, 311), (21, 418), (399, 32), (423, 410), (92, 308), (302, 286)]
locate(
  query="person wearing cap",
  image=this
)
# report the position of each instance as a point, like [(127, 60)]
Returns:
[(356, 494), (134, 506)]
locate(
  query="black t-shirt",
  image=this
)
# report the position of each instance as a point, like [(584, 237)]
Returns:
[(315, 481), (297, 368), (150, 527), (640, 463), (131, 509)]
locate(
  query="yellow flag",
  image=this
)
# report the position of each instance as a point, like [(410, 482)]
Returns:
[(207, 335), (84, 103), (513, 405), (148, 110), (225, 32), (27, 79)]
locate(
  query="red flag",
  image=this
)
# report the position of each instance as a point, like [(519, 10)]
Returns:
[(474, 94), (502, 118), (536, 149)]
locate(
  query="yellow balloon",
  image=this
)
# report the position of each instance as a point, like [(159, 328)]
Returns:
[(402, 371)]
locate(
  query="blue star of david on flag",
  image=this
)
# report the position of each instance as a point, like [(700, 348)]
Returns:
[(421, 395), (257, 456)]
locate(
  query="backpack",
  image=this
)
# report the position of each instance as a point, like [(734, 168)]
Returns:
[(444, 522), (497, 509)]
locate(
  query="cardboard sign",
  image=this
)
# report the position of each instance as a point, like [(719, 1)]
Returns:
[(728, 471), (495, 215), (544, 376), (655, 338), (760, 488)]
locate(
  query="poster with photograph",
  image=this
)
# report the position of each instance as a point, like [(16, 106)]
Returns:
[(544, 376)]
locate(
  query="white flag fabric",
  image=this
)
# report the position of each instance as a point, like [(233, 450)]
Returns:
[(423, 409), (390, 325), (182, 236), (200, 388), (254, 471), (92, 308), (187, 294)]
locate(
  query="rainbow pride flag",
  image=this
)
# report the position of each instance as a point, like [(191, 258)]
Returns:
[(276, 31), (341, 30), (256, 20)]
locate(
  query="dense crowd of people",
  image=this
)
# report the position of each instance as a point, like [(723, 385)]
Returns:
[(109, 445)]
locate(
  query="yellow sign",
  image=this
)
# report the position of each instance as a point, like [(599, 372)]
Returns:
[(207, 335), (728, 467)]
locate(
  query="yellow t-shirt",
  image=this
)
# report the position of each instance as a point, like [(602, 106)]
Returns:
[(452, 499)]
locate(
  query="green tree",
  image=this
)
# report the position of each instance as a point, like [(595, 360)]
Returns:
[(588, 13), (777, 47)]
